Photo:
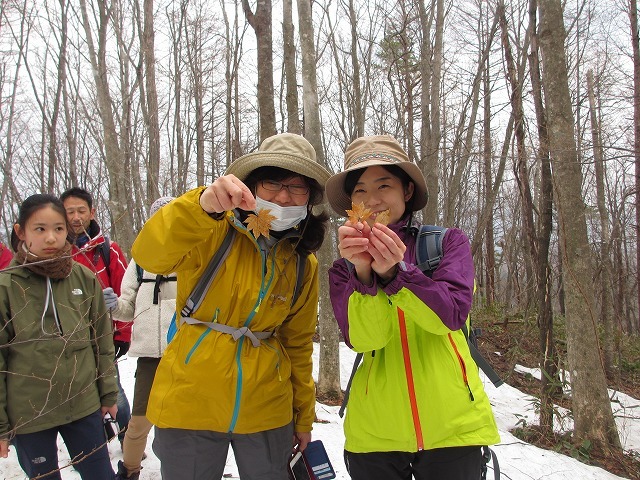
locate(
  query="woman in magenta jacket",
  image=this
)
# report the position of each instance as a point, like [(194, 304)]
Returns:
[(417, 407)]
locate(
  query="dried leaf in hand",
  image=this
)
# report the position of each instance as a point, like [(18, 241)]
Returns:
[(358, 213), (259, 224), (383, 217)]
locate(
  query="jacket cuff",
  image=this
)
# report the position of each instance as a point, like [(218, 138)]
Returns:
[(109, 400), (360, 287), (398, 282)]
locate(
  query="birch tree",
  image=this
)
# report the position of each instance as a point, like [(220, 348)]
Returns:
[(593, 418)]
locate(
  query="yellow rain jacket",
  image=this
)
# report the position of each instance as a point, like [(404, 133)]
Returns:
[(206, 380)]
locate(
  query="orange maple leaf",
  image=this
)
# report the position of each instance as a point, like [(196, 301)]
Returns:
[(358, 213), (383, 217), (260, 224)]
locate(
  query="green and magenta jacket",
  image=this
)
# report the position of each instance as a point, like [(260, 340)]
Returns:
[(418, 387)]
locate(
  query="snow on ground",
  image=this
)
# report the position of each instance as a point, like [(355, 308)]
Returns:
[(518, 460)]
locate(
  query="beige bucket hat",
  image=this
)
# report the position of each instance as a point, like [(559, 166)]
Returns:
[(285, 150), (367, 152)]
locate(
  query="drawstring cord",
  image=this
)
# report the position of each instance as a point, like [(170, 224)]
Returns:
[(50, 300)]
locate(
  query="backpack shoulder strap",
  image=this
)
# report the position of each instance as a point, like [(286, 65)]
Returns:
[(429, 247), (139, 274), (300, 266), (205, 281), (480, 360), (345, 398), (428, 256), (105, 251)]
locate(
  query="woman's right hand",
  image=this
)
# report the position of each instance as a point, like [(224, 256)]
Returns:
[(226, 193), (353, 244), (4, 448)]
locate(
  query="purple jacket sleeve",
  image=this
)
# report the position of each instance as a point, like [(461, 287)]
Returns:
[(342, 283), (449, 292)]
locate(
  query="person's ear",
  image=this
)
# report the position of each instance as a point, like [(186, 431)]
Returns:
[(19, 231), (408, 191)]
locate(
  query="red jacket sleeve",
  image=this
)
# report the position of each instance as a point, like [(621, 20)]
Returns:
[(5, 255), (117, 267)]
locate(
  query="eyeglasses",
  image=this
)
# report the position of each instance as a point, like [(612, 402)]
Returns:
[(295, 189)]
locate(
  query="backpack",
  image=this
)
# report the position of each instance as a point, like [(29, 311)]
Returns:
[(198, 293), (158, 280)]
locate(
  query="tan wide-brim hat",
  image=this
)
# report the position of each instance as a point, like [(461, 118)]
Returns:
[(285, 150), (367, 152)]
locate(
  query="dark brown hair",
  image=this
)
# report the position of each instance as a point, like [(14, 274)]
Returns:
[(30, 206)]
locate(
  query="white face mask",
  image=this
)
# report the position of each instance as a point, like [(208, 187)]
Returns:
[(286, 217)]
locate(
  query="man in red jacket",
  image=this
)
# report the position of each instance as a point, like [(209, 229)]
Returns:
[(105, 258)]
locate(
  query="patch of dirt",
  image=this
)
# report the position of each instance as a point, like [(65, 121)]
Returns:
[(506, 344)]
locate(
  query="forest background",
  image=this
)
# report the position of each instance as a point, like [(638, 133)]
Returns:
[(524, 117)]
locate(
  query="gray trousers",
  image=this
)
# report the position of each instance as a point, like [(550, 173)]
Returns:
[(202, 454)]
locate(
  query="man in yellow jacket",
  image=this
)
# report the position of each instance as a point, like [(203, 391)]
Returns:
[(238, 370)]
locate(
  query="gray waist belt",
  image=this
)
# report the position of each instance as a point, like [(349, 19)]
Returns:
[(236, 333)]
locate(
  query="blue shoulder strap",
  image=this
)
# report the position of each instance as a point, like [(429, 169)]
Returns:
[(199, 291), (197, 295)]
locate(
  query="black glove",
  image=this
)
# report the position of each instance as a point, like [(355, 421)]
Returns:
[(121, 348)]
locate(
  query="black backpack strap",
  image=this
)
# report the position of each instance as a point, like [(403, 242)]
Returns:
[(345, 398), (429, 248), (105, 251), (139, 274), (480, 360), (487, 455), (199, 291)]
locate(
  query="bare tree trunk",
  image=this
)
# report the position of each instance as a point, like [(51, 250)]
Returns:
[(430, 135), (289, 51), (232, 61), (521, 170), (329, 371), (593, 418), (71, 124), (358, 104), (487, 155), (176, 28), (113, 155), (610, 334), (549, 384), (635, 42), (62, 80), (261, 24), (153, 125), (194, 53)]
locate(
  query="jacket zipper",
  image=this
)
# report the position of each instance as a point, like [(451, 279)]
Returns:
[(409, 375), (463, 366), (263, 290)]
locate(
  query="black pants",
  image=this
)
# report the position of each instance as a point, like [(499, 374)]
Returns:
[(455, 463), (85, 442)]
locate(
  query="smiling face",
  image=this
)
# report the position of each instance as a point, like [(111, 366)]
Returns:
[(380, 190), (44, 232), (79, 214)]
